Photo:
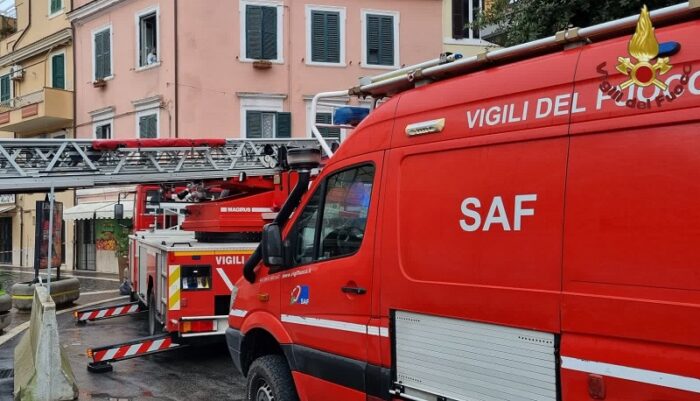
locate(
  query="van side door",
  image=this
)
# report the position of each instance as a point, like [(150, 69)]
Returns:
[(326, 294)]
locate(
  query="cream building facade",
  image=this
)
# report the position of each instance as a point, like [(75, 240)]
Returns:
[(458, 36), (36, 101)]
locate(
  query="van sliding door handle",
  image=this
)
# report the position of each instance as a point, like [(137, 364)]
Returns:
[(354, 290)]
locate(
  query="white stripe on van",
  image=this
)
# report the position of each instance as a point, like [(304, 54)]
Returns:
[(685, 383), (336, 325)]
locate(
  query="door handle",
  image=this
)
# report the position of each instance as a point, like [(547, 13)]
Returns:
[(353, 290)]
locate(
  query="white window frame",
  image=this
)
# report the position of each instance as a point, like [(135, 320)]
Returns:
[(147, 107), (57, 13), (146, 113), (472, 41), (343, 18), (259, 102), (111, 52), (397, 39), (99, 123), (137, 19), (100, 117), (280, 28), (65, 66)]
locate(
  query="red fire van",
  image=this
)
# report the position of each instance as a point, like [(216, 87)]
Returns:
[(522, 225)]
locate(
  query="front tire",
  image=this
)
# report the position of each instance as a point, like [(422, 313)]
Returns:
[(269, 379)]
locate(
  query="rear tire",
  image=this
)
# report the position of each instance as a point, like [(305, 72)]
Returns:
[(269, 379), (154, 326)]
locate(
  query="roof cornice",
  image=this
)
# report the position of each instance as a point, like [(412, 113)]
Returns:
[(55, 39), (90, 9)]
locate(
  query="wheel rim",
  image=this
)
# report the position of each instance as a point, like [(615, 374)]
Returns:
[(264, 393)]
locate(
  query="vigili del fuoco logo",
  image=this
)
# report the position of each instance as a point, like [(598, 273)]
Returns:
[(649, 62)]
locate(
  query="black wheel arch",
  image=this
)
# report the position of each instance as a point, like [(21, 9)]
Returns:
[(257, 343)]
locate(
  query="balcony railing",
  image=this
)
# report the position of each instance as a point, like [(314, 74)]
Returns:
[(41, 111), (21, 101)]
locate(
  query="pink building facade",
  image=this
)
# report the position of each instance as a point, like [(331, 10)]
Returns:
[(234, 68)]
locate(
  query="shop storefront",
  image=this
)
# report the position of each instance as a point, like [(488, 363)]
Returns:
[(100, 239)]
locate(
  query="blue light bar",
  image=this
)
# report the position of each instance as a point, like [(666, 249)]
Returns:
[(349, 115)]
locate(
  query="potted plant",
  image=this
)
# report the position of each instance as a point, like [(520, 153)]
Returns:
[(99, 83)]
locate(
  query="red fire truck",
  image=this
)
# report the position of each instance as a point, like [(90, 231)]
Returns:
[(518, 225), (184, 278), (191, 240)]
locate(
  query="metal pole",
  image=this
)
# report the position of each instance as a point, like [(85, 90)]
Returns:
[(50, 253), (314, 130)]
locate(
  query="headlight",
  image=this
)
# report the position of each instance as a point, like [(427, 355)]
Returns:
[(234, 294)]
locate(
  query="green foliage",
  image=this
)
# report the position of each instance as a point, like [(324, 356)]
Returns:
[(122, 237), (526, 20)]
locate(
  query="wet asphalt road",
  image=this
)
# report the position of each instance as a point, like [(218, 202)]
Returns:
[(194, 373)]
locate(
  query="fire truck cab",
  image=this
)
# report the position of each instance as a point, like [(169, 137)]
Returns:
[(527, 231)]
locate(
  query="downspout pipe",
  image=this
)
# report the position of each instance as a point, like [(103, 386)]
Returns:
[(177, 74), (281, 219), (29, 24)]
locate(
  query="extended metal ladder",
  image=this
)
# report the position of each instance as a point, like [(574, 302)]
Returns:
[(40, 164)]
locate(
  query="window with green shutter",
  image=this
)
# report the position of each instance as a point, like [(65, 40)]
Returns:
[(261, 32), (325, 36), (268, 124), (380, 39), (58, 71), (103, 54), (148, 126), (327, 132), (5, 89), (55, 6)]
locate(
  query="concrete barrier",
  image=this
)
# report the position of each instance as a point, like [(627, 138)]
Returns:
[(63, 291), (42, 370)]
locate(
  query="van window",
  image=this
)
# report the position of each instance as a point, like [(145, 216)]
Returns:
[(304, 233), (339, 229)]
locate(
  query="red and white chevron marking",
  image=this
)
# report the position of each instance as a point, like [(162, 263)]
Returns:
[(104, 313), (127, 351)]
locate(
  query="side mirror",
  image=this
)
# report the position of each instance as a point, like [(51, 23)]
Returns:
[(271, 244), (118, 211)]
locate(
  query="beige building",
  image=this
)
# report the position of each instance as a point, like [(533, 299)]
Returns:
[(36, 101), (458, 36)]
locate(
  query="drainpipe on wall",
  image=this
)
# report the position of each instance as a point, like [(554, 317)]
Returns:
[(15, 84), (177, 86), (289, 65), (75, 84), (29, 24)]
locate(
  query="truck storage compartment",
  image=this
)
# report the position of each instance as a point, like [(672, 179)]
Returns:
[(440, 358)]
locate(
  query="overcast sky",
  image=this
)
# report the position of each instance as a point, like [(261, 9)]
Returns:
[(6, 6)]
